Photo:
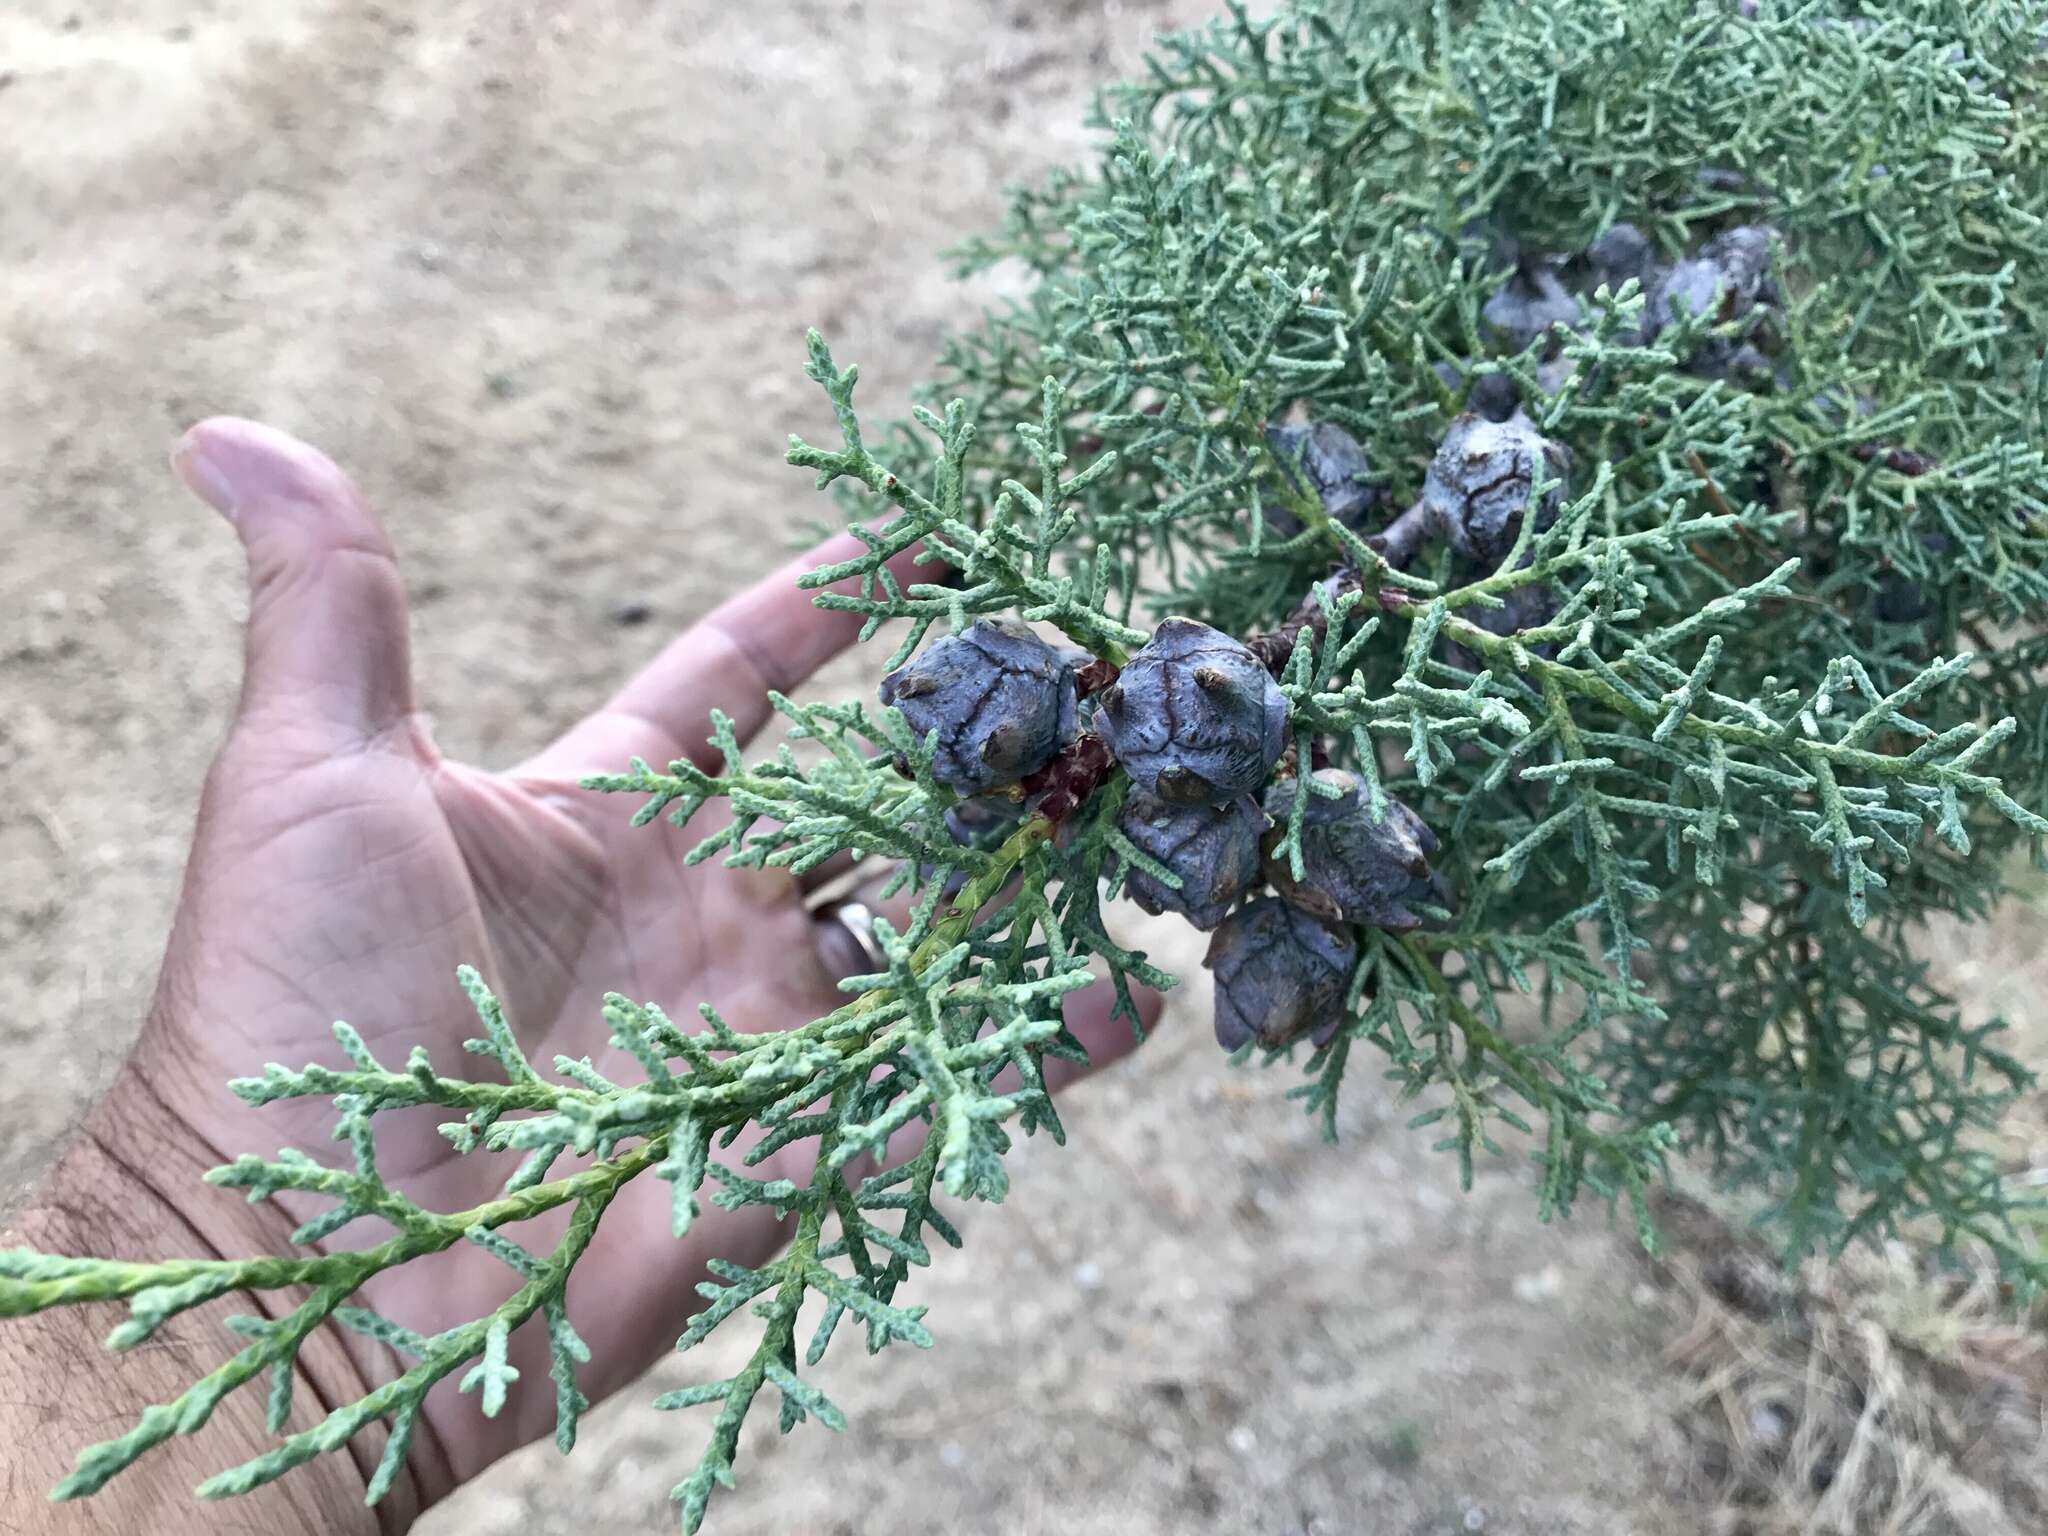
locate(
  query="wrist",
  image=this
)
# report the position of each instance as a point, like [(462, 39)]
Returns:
[(132, 1184)]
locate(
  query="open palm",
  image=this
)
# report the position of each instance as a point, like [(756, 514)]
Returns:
[(343, 869)]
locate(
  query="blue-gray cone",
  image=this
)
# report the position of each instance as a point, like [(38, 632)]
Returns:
[(1620, 253), (1901, 600), (1194, 718), (1279, 974), (1526, 307), (1214, 849), (972, 821), (1525, 607), (1356, 868), (978, 823), (1493, 395), (1001, 699), (1478, 484), (1623, 252), (1334, 465), (1724, 282)]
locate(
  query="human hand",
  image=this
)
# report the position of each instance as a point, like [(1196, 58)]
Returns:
[(342, 868)]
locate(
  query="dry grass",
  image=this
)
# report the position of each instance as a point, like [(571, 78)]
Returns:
[(1875, 1396)]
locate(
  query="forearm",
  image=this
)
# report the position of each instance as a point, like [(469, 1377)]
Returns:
[(130, 1185)]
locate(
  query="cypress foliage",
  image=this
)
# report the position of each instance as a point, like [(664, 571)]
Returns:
[(1738, 683)]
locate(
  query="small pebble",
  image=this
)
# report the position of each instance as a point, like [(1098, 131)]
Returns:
[(1243, 1440), (628, 615), (1087, 1275), (1770, 1424)]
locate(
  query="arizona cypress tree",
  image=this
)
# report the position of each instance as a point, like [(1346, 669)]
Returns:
[(1606, 444)]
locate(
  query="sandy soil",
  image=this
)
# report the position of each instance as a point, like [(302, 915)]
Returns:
[(538, 275)]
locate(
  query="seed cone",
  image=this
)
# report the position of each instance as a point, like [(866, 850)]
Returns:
[(1195, 719), (1727, 280), (1214, 849), (1478, 484), (1335, 467), (1527, 306), (1356, 867), (1001, 699), (1280, 974)]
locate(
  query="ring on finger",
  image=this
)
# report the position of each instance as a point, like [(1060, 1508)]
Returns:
[(858, 919)]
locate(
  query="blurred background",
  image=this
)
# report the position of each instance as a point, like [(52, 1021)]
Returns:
[(538, 275)]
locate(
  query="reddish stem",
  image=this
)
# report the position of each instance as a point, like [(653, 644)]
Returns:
[(1063, 785)]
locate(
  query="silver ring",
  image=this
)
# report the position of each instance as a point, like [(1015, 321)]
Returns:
[(858, 919)]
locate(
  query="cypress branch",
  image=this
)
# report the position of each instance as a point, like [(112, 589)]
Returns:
[(1742, 684)]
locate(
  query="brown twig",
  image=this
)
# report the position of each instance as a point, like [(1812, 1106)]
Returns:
[(1900, 461), (1400, 541), (1706, 476), (1063, 785), (1398, 544), (1749, 535), (1276, 645)]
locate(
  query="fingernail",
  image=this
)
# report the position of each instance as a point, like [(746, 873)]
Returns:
[(204, 478)]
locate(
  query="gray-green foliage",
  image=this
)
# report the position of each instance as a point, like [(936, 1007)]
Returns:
[(1730, 768), (1695, 809)]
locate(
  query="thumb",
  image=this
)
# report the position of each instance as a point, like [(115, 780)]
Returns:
[(328, 665)]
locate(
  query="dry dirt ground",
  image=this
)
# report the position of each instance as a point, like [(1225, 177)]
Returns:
[(538, 275)]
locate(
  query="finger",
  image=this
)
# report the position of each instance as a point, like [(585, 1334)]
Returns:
[(834, 869), (771, 636), (327, 656), (840, 928), (1106, 1039), (842, 945), (896, 908)]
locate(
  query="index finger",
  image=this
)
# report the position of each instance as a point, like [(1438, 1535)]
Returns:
[(768, 638)]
